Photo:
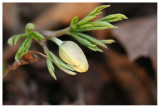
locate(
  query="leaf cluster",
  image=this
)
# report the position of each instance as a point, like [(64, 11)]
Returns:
[(29, 35), (76, 27), (101, 24)]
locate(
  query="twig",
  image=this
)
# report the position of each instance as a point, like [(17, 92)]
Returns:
[(8, 70), (24, 61)]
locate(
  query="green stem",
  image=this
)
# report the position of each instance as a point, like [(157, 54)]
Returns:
[(56, 33), (56, 40)]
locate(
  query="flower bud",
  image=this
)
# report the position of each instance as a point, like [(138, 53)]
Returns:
[(72, 54)]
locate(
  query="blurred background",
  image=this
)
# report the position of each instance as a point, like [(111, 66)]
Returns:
[(125, 74)]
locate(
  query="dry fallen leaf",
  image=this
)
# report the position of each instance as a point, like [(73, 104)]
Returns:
[(137, 86), (139, 38)]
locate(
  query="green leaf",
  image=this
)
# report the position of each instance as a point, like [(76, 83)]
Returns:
[(53, 57), (97, 25), (94, 28), (60, 64), (85, 42), (65, 65), (92, 40), (14, 39), (95, 48), (23, 48), (92, 14), (51, 68), (81, 40), (29, 28), (36, 35), (109, 41), (74, 22), (113, 18), (68, 71)]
